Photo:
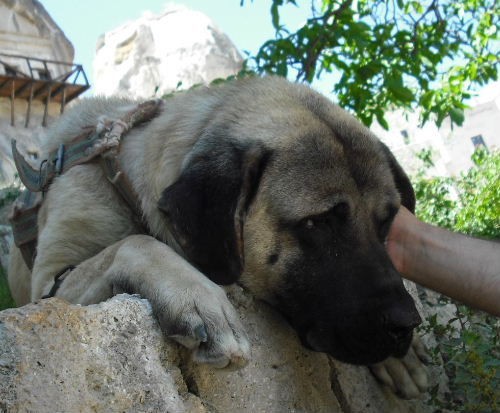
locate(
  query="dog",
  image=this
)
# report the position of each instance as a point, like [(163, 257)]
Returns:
[(257, 181)]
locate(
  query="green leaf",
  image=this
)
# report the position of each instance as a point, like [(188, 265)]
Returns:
[(444, 49), (402, 93), (457, 115), (275, 15), (381, 119)]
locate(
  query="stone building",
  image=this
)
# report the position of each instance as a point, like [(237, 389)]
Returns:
[(37, 78), (451, 145), (481, 128)]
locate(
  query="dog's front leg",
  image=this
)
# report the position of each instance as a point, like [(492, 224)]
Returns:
[(190, 308)]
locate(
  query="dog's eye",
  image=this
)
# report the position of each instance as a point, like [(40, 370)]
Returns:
[(341, 210), (385, 224)]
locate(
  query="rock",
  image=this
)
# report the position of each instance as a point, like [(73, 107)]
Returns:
[(112, 357), (108, 357), (282, 376), (28, 30), (151, 56)]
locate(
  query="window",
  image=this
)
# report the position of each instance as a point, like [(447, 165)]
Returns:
[(10, 70), (478, 142), (43, 74), (406, 138)]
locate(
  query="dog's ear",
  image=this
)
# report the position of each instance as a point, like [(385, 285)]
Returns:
[(402, 181), (207, 205)]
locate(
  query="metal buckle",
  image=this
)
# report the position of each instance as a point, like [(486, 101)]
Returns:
[(42, 174), (49, 168), (59, 160)]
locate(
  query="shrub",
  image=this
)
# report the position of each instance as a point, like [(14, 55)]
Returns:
[(469, 204)]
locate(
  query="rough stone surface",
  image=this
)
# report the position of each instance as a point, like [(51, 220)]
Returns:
[(151, 56), (111, 357), (27, 29), (281, 377), (57, 357), (28, 139)]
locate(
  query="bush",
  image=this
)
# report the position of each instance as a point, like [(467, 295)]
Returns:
[(469, 204), (7, 196), (6, 300)]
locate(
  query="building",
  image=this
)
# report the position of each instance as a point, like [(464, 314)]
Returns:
[(451, 145), (37, 78)]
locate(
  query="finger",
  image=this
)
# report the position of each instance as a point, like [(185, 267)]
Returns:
[(420, 350), (405, 387), (381, 374), (416, 369)]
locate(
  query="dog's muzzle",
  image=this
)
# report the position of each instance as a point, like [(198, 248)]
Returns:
[(364, 339)]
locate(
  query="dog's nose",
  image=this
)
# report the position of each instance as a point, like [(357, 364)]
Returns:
[(399, 324)]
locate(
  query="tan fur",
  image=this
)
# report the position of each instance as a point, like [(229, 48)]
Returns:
[(84, 222)]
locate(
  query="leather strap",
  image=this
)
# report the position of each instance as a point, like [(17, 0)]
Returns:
[(23, 219), (58, 279), (92, 142), (101, 141)]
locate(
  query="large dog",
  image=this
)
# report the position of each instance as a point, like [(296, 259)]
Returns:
[(257, 181)]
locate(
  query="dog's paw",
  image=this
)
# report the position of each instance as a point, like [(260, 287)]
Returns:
[(203, 320), (406, 376)]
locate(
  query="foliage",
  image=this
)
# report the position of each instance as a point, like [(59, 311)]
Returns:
[(7, 196), (10, 193), (469, 204), (469, 342), (471, 355), (6, 300), (390, 53), (479, 193)]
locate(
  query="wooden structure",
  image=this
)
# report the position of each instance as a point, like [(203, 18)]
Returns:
[(39, 79)]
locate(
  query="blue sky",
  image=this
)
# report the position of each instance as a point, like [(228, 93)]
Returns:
[(84, 21), (248, 26)]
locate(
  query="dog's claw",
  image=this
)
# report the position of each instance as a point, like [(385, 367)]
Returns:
[(205, 322), (201, 333)]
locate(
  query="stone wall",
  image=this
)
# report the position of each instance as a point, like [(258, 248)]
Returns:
[(57, 357)]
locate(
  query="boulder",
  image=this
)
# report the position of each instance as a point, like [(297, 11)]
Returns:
[(58, 357), (157, 54)]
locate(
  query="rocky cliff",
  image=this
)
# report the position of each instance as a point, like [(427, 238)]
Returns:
[(156, 54)]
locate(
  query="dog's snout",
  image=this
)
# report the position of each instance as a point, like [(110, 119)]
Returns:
[(399, 324), (399, 333)]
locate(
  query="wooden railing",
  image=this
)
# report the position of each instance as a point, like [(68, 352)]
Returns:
[(30, 78)]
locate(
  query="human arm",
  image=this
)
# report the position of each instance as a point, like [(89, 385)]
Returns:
[(463, 268)]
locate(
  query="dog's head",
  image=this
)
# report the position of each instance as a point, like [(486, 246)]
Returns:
[(298, 209)]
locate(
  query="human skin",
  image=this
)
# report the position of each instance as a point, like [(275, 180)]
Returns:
[(464, 268)]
